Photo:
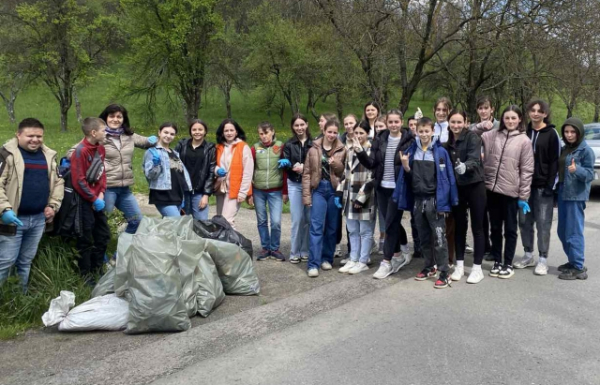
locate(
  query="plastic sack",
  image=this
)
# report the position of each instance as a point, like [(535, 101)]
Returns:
[(235, 268), (182, 227), (154, 285), (59, 307), (106, 284), (107, 312), (121, 274), (220, 230), (202, 287)]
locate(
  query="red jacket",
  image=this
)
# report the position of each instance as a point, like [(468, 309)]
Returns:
[(80, 163)]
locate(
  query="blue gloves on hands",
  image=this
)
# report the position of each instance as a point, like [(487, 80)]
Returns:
[(221, 172), (152, 140), (99, 204), (284, 163), (155, 158), (338, 202), (523, 205), (10, 218)]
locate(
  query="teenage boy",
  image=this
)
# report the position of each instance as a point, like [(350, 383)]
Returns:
[(267, 184), (546, 151), (426, 183), (89, 181), (30, 195)]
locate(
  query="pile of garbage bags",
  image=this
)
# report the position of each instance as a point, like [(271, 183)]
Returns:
[(164, 274)]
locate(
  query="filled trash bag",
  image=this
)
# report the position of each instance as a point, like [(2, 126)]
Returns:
[(107, 312), (121, 274), (205, 292), (235, 268), (106, 284), (155, 285), (220, 230), (59, 307)]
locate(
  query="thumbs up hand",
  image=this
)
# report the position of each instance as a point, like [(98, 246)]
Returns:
[(460, 167), (405, 161), (573, 166)]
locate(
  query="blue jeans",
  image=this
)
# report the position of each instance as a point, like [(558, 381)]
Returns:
[(169, 211), (123, 199), (323, 225), (300, 220), (361, 239), (20, 249), (571, 219), (192, 206), (274, 200)]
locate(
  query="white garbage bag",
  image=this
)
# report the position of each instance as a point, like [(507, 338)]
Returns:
[(59, 307), (107, 312)]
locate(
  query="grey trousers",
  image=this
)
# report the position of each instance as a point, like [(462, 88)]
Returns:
[(431, 227), (541, 214)]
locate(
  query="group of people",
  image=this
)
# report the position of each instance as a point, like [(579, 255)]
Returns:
[(504, 175)]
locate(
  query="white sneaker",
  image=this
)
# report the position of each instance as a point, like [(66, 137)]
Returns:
[(346, 268), (313, 273), (385, 269), (458, 273), (326, 266), (527, 261), (344, 261), (398, 263), (359, 267), (541, 268), (468, 249), (476, 275)]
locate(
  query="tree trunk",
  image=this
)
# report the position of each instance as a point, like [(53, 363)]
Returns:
[(227, 94), (339, 105), (596, 113), (64, 111), (77, 106)]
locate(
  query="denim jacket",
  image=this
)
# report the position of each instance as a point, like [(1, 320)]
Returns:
[(446, 191), (576, 186), (159, 177)]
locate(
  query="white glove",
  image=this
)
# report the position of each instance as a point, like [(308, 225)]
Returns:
[(418, 114), (460, 168)]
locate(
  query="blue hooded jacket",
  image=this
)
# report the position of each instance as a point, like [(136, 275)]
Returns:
[(446, 192)]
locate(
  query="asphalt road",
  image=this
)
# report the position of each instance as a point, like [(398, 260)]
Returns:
[(350, 330), (525, 330)]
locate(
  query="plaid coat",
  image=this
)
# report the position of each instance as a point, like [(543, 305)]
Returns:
[(357, 185)]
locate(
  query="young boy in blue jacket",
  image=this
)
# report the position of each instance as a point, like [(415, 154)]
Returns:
[(426, 185)]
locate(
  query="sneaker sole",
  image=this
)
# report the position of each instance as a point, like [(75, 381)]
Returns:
[(540, 273), (384, 277), (506, 276), (425, 278), (523, 266), (295, 261), (440, 287), (494, 274), (357, 272), (474, 283)]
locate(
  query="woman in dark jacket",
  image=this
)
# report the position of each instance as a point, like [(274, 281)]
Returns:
[(464, 147), (199, 159), (295, 151)]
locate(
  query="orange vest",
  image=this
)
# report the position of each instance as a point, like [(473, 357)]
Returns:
[(236, 168)]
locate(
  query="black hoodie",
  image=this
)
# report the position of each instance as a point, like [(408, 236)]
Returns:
[(546, 151)]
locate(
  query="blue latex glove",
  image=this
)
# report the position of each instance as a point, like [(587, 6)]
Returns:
[(99, 204), (155, 158), (523, 205), (337, 202), (221, 172), (152, 140), (284, 163), (10, 218)]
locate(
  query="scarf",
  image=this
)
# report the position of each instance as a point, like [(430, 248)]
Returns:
[(114, 132)]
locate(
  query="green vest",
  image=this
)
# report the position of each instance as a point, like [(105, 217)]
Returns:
[(266, 174)]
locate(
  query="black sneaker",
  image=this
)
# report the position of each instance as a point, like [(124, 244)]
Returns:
[(573, 274), (263, 255), (566, 267), (278, 256), (443, 281), (426, 273), (506, 272), (495, 269)]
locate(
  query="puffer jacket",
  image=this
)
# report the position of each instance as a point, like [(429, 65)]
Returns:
[(311, 176), (508, 163), (119, 159), (11, 180)]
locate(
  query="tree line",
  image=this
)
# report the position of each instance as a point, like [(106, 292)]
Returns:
[(300, 53)]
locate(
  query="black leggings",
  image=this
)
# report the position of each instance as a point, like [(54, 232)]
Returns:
[(471, 198), (395, 235), (503, 213)]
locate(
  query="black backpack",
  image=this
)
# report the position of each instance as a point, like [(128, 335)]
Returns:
[(67, 222)]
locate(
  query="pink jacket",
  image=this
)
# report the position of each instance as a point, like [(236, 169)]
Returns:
[(508, 163)]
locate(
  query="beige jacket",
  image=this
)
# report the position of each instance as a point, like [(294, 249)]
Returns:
[(11, 180), (119, 158), (311, 176), (508, 163)]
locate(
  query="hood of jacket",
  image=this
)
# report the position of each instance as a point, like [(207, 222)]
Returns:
[(577, 124)]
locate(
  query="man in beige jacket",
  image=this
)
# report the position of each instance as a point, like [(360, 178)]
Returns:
[(30, 195)]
